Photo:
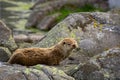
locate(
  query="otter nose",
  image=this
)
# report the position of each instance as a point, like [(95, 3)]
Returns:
[(74, 46)]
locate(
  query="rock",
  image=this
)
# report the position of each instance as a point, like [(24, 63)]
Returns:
[(114, 4), (115, 11), (37, 15), (6, 38), (4, 54), (20, 38), (48, 22), (33, 18), (24, 44), (28, 38), (20, 31), (39, 72), (103, 66), (42, 10)]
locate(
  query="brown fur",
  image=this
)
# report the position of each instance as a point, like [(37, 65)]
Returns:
[(49, 56)]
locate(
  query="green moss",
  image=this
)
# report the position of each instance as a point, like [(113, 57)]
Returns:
[(27, 71), (66, 10), (89, 8), (106, 74), (72, 34), (11, 43), (38, 67), (37, 31), (20, 6), (76, 67)]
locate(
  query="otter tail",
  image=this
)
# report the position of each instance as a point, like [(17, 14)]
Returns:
[(14, 59)]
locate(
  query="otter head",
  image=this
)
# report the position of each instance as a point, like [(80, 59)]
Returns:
[(68, 44)]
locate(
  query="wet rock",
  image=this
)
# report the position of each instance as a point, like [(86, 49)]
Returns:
[(4, 54), (39, 72), (104, 66), (6, 38), (48, 22)]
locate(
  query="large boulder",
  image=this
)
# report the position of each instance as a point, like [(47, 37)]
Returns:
[(6, 38), (39, 72), (104, 66)]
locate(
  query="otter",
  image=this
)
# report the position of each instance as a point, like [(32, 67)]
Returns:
[(48, 56)]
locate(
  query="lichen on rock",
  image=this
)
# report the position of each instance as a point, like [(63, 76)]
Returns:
[(6, 38)]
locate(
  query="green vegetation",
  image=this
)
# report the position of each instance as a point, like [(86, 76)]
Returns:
[(37, 30), (65, 11), (19, 12), (20, 6)]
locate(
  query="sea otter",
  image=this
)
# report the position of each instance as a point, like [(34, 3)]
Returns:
[(49, 56)]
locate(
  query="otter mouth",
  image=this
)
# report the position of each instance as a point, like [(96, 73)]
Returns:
[(76, 49)]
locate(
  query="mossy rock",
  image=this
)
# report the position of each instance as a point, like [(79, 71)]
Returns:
[(104, 66), (38, 72), (6, 38)]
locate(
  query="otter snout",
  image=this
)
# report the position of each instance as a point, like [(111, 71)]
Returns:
[(75, 46)]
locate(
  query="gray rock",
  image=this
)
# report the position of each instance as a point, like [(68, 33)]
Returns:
[(4, 54), (104, 66), (39, 72), (48, 22), (114, 4), (28, 38), (6, 38)]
